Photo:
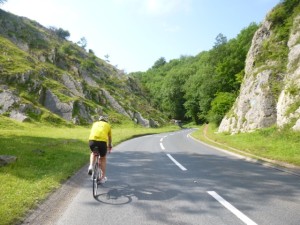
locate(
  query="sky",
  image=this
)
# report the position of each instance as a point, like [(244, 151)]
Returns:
[(136, 33)]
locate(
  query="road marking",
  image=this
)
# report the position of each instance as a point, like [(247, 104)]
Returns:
[(162, 147), (161, 140), (232, 209), (177, 163)]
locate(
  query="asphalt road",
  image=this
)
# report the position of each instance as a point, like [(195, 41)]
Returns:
[(173, 179)]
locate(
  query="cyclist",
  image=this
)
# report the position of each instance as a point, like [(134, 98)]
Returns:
[(100, 139)]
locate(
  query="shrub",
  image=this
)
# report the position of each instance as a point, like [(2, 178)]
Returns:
[(220, 106)]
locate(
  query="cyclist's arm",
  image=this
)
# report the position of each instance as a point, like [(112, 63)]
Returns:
[(109, 142)]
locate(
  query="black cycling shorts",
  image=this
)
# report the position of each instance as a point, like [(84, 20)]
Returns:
[(99, 147)]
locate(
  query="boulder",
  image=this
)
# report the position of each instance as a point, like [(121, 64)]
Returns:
[(7, 159)]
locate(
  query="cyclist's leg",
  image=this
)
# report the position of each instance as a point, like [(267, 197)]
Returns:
[(102, 152), (103, 165), (92, 158), (92, 145)]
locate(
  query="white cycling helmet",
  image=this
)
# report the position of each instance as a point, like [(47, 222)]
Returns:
[(103, 118)]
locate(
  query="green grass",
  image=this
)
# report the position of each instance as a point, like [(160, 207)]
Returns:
[(270, 143), (46, 156), (13, 60)]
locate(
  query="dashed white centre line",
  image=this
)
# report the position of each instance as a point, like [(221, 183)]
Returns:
[(177, 163), (232, 209)]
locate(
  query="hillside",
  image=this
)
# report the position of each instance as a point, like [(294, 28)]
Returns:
[(46, 78)]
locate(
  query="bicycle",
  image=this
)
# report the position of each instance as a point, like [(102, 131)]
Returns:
[(97, 173)]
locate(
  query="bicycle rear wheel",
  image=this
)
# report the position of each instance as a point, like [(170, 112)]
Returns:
[(95, 179)]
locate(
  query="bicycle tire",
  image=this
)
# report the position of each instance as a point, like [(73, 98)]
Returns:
[(95, 179)]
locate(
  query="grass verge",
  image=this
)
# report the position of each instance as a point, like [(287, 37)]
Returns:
[(46, 156), (281, 147)]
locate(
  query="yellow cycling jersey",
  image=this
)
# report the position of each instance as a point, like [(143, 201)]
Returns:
[(100, 131)]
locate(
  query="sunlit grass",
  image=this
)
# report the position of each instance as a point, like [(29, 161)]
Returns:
[(270, 143), (46, 156)]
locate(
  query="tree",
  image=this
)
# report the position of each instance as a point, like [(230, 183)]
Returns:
[(2, 1), (220, 106), (64, 34), (172, 93), (82, 42), (220, 40), (107, 58), (158, 63)]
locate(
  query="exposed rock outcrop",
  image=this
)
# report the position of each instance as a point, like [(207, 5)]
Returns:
[(257, 106), (137, 117), (62, 109), (114, 104), (7, 159), (288, 107), (74, 86)]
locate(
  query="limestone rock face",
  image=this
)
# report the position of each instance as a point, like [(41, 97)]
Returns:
[(8, 99), (140, 120), (114, 104), (288, 106), (257, 106), (56, 106)]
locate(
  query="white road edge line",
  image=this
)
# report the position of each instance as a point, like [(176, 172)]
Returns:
[(232, 209), (177, 163), (161, 140), (162, 147)]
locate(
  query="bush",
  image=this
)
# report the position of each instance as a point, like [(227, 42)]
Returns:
[(220, 106)]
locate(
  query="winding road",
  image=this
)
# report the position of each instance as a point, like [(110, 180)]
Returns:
[(172, 179)]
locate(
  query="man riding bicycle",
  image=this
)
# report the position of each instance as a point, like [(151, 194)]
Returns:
[(100, 140)]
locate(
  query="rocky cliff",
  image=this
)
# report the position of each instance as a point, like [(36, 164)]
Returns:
[(45, 77), (269, 94)]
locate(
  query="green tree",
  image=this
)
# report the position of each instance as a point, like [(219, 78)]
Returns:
[(220, 106), (220, 40), (173, 92), (189, 87), (192, 87), (64, 34), (158, 63), (82, 42)]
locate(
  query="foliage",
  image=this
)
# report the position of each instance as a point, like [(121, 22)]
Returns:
[(160, 62), (82, 42), (220, 106), (88, 64), (66, 49), (283, 11), (64, 34), (184, 88)]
